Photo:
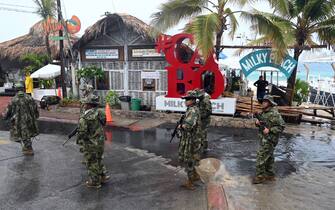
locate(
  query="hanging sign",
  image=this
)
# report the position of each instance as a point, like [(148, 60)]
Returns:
[(145, 53), (102, 54), (150, 75), (73, 25), (263, 58)]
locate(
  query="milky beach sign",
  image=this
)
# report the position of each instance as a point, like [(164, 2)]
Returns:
[(263, 58)]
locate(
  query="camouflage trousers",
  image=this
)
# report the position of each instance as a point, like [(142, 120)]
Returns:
[(189, 154), (265, 159), (93, 156), (190, 165), (26, 144), (203, 137)]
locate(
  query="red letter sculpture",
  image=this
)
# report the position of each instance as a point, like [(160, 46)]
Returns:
[(186, 73)]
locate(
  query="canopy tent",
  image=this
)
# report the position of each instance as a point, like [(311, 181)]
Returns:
[(327, 59), (321, 60), (49, 71)]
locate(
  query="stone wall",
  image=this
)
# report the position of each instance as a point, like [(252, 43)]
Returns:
[(216, 120)]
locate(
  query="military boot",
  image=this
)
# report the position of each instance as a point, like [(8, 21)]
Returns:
[(28, 151), (270, 178), (105, 179), (258, 180), (189, 185), (92, 184), (195, 177)]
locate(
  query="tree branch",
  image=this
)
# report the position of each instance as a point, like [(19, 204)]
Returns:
[(209, 9), (232, 13)]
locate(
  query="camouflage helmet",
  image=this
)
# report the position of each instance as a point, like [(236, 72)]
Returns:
[(270, 99), (83, 87), (93, 99), (190, 95), (200, 93)]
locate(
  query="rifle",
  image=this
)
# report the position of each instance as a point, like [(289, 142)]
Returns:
[(180, 122), (262, 123), (73, 132)]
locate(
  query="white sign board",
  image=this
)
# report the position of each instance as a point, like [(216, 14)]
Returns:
[(142, 53), (102, 54), (226, 106), (150, 75)]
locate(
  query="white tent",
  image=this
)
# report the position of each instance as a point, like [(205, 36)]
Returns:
[(49, 71)]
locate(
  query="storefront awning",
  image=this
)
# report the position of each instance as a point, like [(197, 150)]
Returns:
[(49, 71)]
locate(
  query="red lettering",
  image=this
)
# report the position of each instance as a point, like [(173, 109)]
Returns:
[(186, 74)]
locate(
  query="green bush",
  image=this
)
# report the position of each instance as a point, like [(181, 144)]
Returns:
[(89, 73), (33, 62), (301, 91), (112, 98)]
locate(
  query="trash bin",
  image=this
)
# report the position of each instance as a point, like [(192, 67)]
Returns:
[(135, 104), (125, 102)]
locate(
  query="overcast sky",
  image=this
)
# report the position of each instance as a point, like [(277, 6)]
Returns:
[(14, 24)]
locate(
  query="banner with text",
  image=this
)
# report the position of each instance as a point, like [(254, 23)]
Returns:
[(225, 106), (263, 58)]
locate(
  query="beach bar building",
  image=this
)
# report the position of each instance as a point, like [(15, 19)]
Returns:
[(122, 46)]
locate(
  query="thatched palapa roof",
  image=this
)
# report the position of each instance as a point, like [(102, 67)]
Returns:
[(112, 22), (33, 42)]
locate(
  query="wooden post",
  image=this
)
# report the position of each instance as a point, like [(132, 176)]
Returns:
[(61, 52)]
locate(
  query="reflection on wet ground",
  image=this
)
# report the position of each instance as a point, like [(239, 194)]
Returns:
[(305, 165)]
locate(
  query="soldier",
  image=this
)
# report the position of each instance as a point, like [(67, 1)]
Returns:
[(90, 130), (86, 91), (190, 144), (23, 114), (205, 107), (270, 125)]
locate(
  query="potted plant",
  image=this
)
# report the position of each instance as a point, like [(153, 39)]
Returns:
[(301, 92)]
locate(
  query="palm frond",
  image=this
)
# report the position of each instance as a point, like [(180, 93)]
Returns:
[(281, 6), (172, 12), (259, 41), (238, 2), (280, 33), (232, 21), (316, 10), (46, 8), (203, 28)]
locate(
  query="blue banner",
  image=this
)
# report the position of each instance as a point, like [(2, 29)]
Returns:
[(263, 58)]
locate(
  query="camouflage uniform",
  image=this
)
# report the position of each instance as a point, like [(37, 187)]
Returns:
[(90, 130), (265, 156), (205, 107), (23, 114), (190, 143), (86, 92)]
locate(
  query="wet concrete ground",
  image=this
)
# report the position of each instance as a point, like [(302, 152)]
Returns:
[(142, 165), (54, 177), (305, 165)]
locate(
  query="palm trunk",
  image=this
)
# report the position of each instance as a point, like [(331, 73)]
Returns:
[(292, 78), (47, 44), (218, 44)]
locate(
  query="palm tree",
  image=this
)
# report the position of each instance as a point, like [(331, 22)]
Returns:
[(208, 21), (297, 24), (46, 10)]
